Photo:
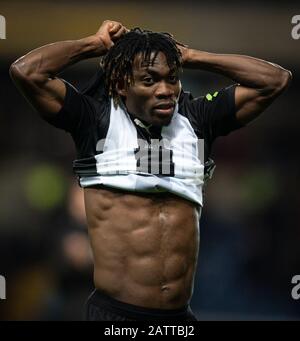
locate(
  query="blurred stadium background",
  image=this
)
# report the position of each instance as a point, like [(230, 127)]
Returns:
[(250, 231)]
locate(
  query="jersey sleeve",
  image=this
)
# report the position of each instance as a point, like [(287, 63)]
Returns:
[(219, 112), (78, 112), (215, 113)]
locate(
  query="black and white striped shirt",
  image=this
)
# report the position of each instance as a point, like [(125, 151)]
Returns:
[(114, 149)]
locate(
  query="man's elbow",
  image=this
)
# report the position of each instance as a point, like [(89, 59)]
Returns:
[(17, 71), (286, 78), (21, 72), (282, 80), (13, 70)]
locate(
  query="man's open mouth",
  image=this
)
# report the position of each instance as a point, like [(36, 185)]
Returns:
[(165, 108)]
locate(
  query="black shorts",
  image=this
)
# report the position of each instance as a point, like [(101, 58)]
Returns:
[(100, 307)]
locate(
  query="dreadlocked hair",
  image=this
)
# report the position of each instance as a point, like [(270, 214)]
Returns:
[(118, 62)]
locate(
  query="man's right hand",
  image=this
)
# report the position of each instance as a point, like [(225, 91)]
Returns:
[(109, 32)]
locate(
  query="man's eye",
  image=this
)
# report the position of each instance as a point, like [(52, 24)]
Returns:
[(148, 80), (173, 79)]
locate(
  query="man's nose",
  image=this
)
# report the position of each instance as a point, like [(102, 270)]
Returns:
[(164, 90)]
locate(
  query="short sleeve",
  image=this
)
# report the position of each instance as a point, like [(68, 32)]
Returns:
[(212, 115), (78, 112), (219, 112)]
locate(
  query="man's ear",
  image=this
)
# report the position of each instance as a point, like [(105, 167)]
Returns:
[(121, 90), (180, 87)]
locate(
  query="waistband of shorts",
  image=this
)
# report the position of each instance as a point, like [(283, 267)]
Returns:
[(102, 300)]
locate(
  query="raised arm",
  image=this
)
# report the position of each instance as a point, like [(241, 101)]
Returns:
[(260, 82), (35, 73)]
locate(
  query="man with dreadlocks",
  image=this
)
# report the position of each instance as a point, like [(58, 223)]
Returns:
[(143, 148)]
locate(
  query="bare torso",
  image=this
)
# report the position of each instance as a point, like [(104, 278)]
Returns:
[(145, 246)]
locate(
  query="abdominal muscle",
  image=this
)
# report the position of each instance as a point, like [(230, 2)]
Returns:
[(145, 246)]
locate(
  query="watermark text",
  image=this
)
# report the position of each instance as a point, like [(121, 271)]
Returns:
[(2, 27), (296, 289), (2, 288), (159, 157), (296, 29)]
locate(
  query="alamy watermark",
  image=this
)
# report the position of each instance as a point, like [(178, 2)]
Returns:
[(296, 289), (2, 27), (296, 29), (159, 157), (2, 288)]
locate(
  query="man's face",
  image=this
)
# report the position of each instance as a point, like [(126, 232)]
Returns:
[(152, 97)]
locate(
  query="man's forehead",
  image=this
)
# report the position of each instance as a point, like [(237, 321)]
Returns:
[(156, 59)]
